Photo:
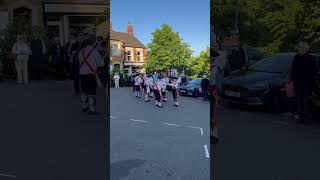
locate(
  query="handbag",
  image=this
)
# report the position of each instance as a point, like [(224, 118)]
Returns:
[(12, 56)]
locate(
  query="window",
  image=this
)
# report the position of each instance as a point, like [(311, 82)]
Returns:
[(129, 56), (139, 56), (115, 45)]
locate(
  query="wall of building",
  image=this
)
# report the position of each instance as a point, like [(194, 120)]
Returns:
[(4, 19)]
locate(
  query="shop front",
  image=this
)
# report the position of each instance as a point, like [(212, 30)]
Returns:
[(67, 20)]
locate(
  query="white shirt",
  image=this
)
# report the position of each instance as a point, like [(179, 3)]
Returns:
[(157, 85), (166, 79), (163, 84), (94, 59), (22, 50), (174, 84), (116, 77), (137, 80)]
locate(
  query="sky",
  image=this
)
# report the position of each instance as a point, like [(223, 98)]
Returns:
[(191, 18)]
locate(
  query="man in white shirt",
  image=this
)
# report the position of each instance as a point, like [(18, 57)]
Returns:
[(89, 60), (116, 78), (174, 90), (163, 88), (22, 51), (137, 83)]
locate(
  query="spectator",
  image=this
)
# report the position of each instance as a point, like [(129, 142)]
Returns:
[(74, 63), (184, 79), (116, 78), (22, 51), (89, 60), (155, 76), (38, 49), (56, 58), (205, 87), (238, 58), (67, 47), (101, 45), (303, 73)]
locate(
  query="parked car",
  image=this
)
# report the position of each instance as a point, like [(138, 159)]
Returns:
[(193, 88), (315, 98), (262, 83)]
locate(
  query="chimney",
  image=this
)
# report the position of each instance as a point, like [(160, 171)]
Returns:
[(110, 26), (130, 29)]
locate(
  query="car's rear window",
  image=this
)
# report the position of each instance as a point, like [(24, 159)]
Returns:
[(196, 81), (279, 63)]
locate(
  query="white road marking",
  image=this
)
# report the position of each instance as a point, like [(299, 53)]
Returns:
[(201, 130), (171, 124), (206, 150), (281, 122), (7, 175), (136, 120)]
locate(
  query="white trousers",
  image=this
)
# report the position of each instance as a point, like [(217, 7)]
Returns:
[(22, 71), (116, 82)]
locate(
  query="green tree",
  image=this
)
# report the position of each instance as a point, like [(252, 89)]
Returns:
[(271, 25), (199, 66), (167, 50)]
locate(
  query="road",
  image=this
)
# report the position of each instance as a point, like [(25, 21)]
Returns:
[(149, 143), (258, 145), (44, 136)]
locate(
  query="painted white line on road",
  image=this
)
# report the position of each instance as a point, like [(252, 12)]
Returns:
[(281, 122), (171, 124), (201, 130), (112, 117), (7, 175), (137, 120), (206, 150)]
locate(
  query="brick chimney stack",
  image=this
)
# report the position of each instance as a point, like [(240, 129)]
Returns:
[(130, 29)]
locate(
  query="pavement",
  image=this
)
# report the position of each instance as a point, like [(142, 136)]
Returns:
[(149, 143), (44, 136), (255, 144)]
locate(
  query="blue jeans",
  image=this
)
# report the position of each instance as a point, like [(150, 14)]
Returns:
[(219, 79)]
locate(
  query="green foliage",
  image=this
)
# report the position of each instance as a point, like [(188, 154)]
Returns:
[(199, 66), (167, 50), (9, 35), (271, 25)]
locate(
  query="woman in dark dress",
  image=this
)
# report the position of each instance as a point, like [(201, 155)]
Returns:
[(56, 59)]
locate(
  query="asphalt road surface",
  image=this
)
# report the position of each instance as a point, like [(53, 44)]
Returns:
[(258, 145), (149, 143), (44, 136)]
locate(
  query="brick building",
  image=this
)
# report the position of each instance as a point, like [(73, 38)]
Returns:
[(128, 53)]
